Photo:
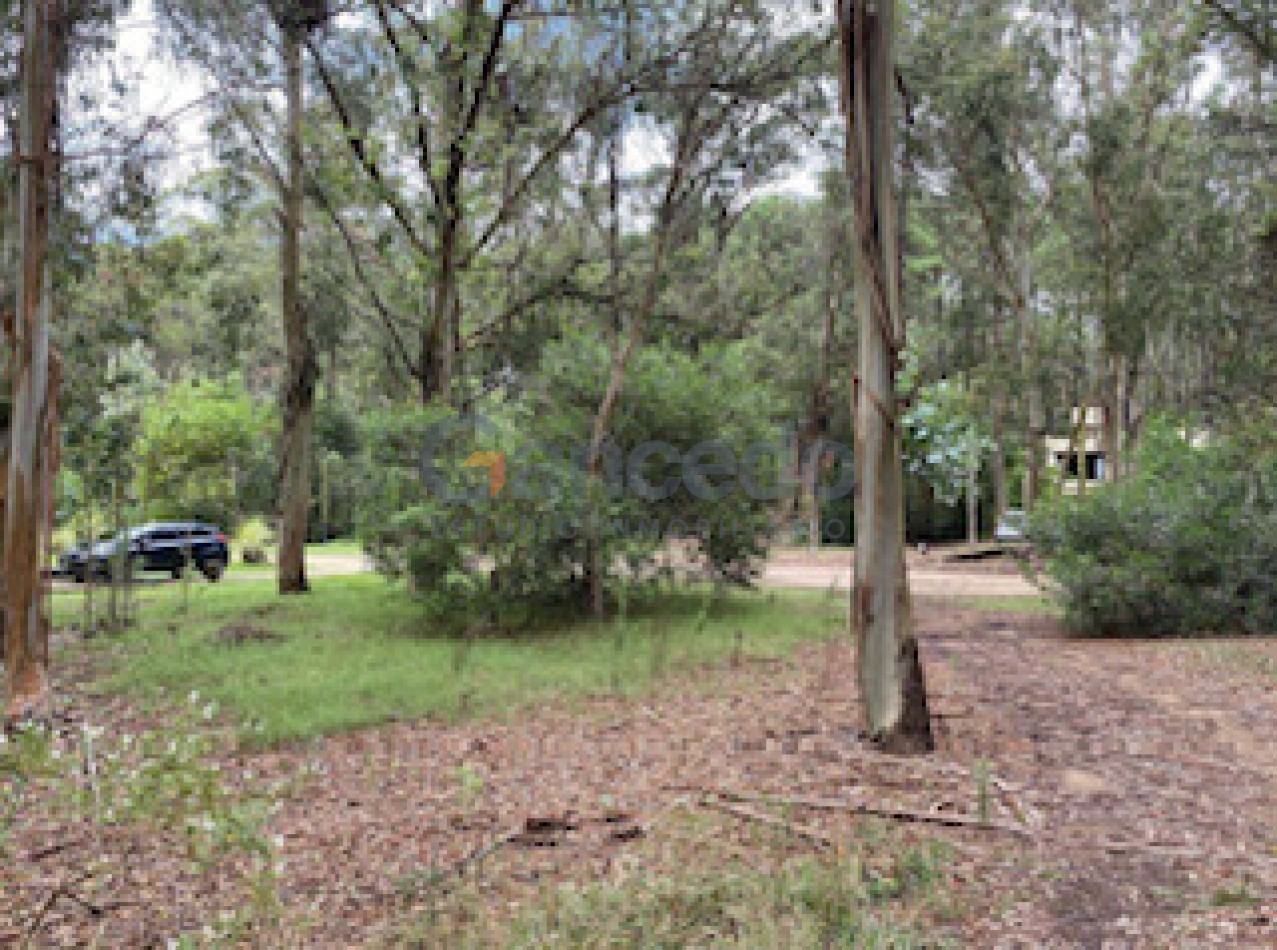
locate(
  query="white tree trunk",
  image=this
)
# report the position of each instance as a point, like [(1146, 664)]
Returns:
[(893, 689)]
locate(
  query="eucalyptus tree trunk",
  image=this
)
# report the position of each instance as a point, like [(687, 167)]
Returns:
[(299, 392), (32, 419), (892, 685), (1001, 485), (1110, 424), (1035, 430), (973, 496), (817, 425)]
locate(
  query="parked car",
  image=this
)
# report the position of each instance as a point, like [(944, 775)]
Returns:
[(1012, 526), (164, 546)]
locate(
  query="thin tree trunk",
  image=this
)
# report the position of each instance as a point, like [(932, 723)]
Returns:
[(596, 569), (90, 622), (1131, 423), (892, 685), (32, 417), (818, 426), (973, 496), (1035, 415), (299, 393), (1001, 488), (1111, 430), (626, 346)]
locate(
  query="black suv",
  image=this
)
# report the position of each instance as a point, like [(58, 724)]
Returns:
[(164, 546)]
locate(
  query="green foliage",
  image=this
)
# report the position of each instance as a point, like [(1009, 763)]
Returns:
[(502, 560), (1187, 546), (944, 440), (204, 452)]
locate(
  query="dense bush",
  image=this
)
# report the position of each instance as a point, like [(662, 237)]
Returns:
[(481, 558), (1185, 546), (205, 451)]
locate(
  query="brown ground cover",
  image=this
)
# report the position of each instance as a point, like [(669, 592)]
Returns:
[(1131, 789)]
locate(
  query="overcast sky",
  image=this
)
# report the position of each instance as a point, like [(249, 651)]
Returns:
[(158, 90)]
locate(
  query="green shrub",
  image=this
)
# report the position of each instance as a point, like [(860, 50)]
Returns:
[(502, 559), (1184, 546)]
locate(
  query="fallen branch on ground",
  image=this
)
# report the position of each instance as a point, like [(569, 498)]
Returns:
[(458, 868), (64, 889), (764, 818), (881, 811)]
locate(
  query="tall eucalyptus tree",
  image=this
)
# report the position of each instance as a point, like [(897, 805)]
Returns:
[(892, 683)]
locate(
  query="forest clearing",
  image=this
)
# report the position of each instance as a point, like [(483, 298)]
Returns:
[(1082, 791), (615, 474)]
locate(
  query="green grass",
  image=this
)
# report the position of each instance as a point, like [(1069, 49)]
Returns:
[(1039, 606), (355, 652), (809, 903), (335, 547)]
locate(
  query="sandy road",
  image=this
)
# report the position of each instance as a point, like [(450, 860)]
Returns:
[(923, 582), (821, 571), (825, 570)]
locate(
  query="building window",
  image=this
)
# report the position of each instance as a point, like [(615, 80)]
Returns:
[(1094, 465)]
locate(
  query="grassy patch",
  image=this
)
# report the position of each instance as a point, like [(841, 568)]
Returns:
[(343, 547), (1038, 606), (355, 652), (1244, 657), (803, 903)]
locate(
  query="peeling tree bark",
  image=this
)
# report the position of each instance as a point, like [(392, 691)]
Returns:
[(299, 393), (892, 685), (32, 420)]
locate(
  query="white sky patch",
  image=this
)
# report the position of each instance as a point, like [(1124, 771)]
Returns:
[(173, 99), (145, 97)]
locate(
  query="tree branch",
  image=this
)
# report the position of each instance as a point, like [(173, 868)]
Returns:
[(356, 142)]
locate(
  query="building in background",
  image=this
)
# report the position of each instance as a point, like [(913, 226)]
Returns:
[(1066, 458)]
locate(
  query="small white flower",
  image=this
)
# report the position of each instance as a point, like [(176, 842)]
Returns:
[(194, 698)]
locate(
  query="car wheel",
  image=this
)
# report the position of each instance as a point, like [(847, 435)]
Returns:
[(77, 575), (213, 569), (175, 572)]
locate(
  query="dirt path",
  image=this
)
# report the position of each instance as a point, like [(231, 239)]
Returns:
[(1146, 772), (923, 582), (1152, 768)]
